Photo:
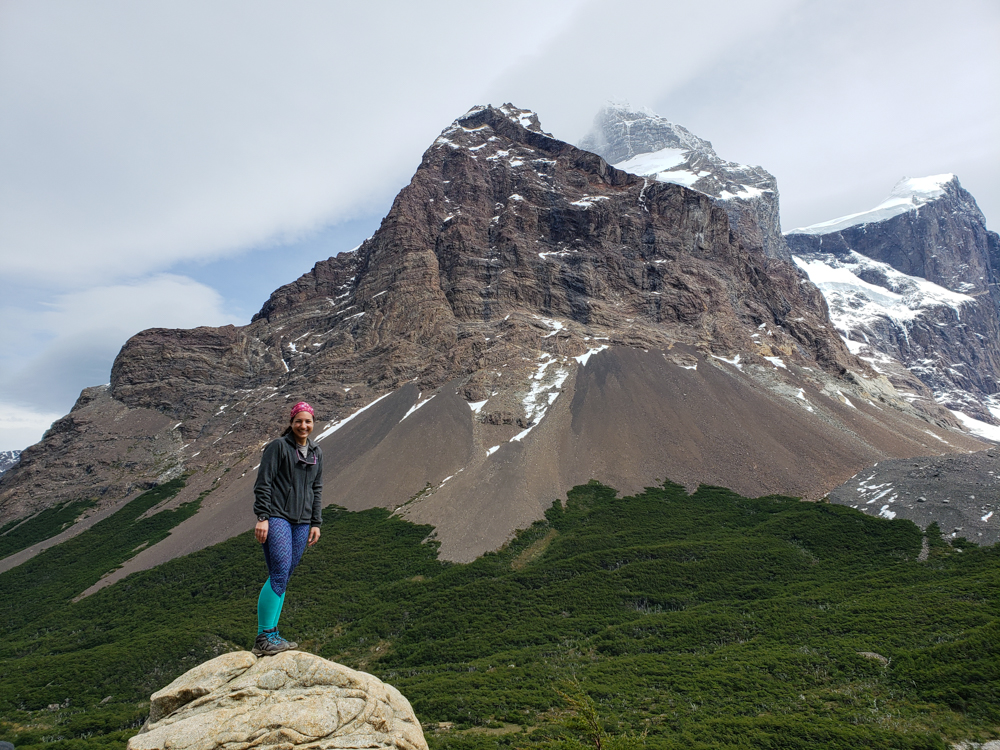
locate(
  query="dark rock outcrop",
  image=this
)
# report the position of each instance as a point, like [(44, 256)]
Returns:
[(960, 493)]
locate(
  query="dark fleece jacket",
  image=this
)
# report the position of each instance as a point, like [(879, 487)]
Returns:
[(287, 486)]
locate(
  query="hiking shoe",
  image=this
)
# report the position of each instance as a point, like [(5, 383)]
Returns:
[(269, 643)]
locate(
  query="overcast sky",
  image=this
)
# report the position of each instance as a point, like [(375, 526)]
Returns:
[(170, 163)]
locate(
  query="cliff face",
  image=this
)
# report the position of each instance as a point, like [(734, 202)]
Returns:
[(917, 279), (525, 319), (652, 146), (499, 223)]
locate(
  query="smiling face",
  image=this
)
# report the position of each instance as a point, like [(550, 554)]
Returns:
[(302, 425)]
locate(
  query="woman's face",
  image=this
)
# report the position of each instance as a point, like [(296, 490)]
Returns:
[(302, 425)]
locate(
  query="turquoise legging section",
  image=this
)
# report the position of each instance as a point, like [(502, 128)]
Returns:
[(268, 608)]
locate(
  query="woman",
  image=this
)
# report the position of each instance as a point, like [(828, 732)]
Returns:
[(289, 514)]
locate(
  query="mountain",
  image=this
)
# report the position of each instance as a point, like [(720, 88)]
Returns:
[(912, 285), (643, 143), (8, 459), (525, 319)]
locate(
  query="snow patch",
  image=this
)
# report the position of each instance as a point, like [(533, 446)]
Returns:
[(416, 406), (856, 305), (977, 427), (735, 361), (744, 193), (650, 164), (337, 425), (589, 200), (776, 361), (584, 358), (555, 325)]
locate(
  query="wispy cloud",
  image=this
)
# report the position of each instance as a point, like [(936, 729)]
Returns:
[(51, 351)]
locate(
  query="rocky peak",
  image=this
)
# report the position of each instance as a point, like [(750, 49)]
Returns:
[(621, 133), (523, 117), (928, 227), (914, 280), (643, 143)]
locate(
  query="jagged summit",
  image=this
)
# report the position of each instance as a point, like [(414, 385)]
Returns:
[(646, 144), (909, 194), (523, 117), (621, 133)]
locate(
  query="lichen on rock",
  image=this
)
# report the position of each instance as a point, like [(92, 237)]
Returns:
[(291, 700)]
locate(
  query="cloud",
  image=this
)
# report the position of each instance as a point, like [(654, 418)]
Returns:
[(137, 135), (634, 50), (74, 339), (21, 427), (841, 100)]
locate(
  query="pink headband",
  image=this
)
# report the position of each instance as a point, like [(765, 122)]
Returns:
[(301, 406)]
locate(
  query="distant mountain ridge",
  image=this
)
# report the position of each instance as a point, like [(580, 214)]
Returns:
[(8, 459), (916, 280)]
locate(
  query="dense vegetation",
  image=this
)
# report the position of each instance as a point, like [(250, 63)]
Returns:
[(662, 620), (21, 534)]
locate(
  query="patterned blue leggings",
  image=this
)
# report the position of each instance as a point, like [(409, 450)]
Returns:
[(283, 550)]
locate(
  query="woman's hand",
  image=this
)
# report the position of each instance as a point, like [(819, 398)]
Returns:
[(260, 531), (313, 535)]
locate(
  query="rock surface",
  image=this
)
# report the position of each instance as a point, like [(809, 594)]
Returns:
[(291, 700), (960, 493), (649, 145)]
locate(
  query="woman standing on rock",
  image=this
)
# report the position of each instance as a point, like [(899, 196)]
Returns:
[(289, 513)]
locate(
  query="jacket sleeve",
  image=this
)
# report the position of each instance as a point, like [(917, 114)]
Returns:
[(265, 480), (317, 487)]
